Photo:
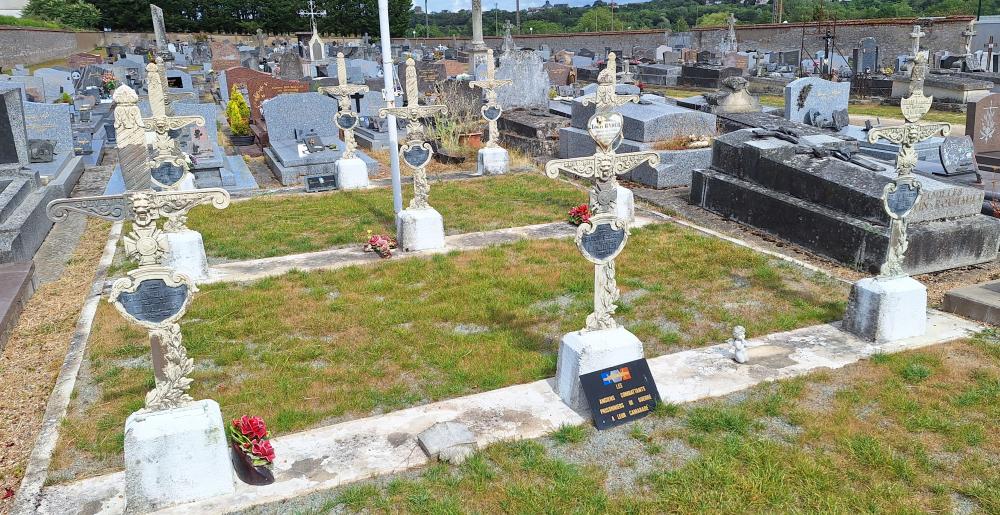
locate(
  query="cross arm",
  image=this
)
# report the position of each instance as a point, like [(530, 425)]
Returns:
[(893, 134), (579, 166), (413, 112), (108, 207), (172, 202)]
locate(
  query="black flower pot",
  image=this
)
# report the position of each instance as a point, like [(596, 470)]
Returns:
[(246, 470)]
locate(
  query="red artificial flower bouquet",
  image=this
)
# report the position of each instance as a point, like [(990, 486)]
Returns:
[(579, 214), (250, 434)]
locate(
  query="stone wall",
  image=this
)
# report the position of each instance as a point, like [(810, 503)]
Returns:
[(892, 36), (19, 45)]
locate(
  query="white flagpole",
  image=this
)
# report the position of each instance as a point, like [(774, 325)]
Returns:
[(389, 93)]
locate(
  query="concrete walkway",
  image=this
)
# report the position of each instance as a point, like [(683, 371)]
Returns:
[(342, 257), (336, 455)]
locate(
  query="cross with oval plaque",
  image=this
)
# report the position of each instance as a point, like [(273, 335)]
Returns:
[(602, 238)]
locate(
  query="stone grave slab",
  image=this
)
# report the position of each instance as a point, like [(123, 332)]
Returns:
[(56, 82), (979, 302), (812, 100)]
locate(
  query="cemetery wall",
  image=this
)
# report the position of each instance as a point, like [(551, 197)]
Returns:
[(30, 46), (892, 35)]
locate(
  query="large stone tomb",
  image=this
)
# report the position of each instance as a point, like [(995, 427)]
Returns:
[(833, 208), (291, 117), (647, 124)]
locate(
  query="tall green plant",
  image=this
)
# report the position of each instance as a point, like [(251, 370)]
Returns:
[(75, 14), (238, 113)]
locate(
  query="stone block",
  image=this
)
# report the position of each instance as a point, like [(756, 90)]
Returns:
[(492, 161), (674, 169), (885, 310), (653, 120), (625, 204), (352, 174), (419, 229), (979, 302), (581, 352), (186, 254), (176, 456), (450, 441)]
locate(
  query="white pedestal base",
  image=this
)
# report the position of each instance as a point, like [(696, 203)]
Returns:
[(625, 208), (352, 174), (186, 254), (176, 456), (887, 310), (583, 352), (419, 229), (492, 161)]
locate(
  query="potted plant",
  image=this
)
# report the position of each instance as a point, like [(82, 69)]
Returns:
[(238, 114), (251, 450), (109, 82)]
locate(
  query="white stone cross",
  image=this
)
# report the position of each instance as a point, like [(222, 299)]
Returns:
[(161, 124), (344, 118), (915, 36), (416, 151), (604, 166), (491, 110)]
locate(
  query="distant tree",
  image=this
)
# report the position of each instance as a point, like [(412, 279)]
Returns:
[(713, 19), (682, 25), (594, 20), (541, 27), (76, 14)]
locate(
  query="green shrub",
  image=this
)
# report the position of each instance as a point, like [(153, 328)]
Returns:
[(238, 113)]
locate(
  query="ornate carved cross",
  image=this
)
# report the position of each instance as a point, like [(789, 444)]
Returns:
[(604, 236), (902, 194), (153, 296), (416, 151), (915, 36), (161, 123), (491, 110), (344, 118)]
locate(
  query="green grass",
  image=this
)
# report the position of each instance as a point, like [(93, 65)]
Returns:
[(849, 455), (28, 22), (295, 224), (310, 348), (886, 111)]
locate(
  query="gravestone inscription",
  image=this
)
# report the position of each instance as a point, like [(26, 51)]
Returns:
[(153, 301), (621, 393)]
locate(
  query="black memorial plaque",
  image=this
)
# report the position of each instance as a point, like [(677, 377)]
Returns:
[(902, 199), (154, 301), (620, 393), (604, 243), (8, 149), (317, 183), (167, 173), (492, 113)]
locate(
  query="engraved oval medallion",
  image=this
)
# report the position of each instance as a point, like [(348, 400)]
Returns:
[(603, 238), (167, 173), (901, 199), (492, 113), (153, 301), (605, 129), (416, 156), (347, 121)]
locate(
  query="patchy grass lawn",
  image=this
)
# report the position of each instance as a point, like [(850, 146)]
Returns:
[(908, 433), (276, 226), (885, 111), (312, 348)]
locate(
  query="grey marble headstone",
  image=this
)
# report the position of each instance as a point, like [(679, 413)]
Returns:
[(159, 29), (288, 112), (50, 122), (56, 82), (13, 138), (812, 97), (958, 154), (531, 81), (32, 88), (290, 65)]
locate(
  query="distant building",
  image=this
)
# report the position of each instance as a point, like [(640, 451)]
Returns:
[(418, 10)]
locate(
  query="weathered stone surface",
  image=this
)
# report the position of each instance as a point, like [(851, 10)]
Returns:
[(451, 442), (982, 122), (978, 302), (420, 229), (584, 352), (886, 310), (652, 120), (815, 95)]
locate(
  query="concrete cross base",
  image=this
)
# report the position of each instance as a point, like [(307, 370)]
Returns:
[(186, 254), (625, 208), (581, 352), (176, 456), (492, 161), (419, 229), (886, 310), (352, 174)]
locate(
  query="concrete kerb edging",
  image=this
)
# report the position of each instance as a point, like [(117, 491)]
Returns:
[(36, 472)]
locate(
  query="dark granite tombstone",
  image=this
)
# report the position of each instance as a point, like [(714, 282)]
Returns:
[(958, 156), (867, 60), (982, 123)]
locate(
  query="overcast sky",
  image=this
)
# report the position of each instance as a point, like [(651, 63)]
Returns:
[(456, 5)]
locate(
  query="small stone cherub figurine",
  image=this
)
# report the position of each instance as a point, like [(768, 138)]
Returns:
[(739, 343)]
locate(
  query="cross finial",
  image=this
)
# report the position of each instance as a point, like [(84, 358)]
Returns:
[(312, 13), (606, 97), (915, 36)]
